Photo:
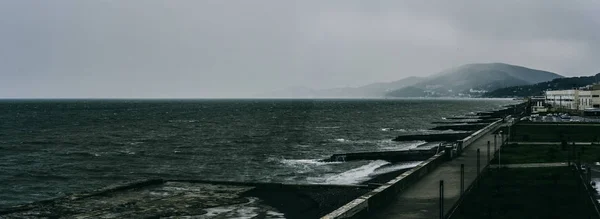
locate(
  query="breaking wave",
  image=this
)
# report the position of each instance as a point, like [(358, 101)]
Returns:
[(356, 175), (305, 162), (249, 210), (395, 167)]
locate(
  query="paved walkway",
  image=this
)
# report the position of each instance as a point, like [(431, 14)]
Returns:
[(559, 124), (422, 199), (531, 165), (547, 143)]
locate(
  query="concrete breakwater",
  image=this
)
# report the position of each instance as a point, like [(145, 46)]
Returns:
[(467, 121), (194, 198), (454, 136), (463, 126)]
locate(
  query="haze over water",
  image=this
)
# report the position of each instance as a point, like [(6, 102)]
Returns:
[(49, 148)]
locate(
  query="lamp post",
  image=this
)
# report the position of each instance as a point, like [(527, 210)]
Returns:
[(501, 144), (508, 134), (495, 134)]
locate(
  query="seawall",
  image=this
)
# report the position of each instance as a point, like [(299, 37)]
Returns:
[(378, 197), (369, 202)]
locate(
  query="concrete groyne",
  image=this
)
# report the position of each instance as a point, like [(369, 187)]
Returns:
[(391, 156), (467, 121), (454, 136)]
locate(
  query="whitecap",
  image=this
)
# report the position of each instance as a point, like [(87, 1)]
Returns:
[(356, 175), (396, 167), (388, 145), (306, 162), (128, 152), (241, 211), (341, 140), (327, 127)]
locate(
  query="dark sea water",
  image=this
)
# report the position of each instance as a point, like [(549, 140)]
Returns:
[(49, 148)]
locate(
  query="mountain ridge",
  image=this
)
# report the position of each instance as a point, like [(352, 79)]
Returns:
[(469, 80), (473, 80)]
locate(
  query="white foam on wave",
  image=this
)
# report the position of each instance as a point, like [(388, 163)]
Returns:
[(402, 130), (303, 162), (393, 145), (341, 140), (305, 165), (597, 186), (241, 211), (396, 167), (328, 127), (356, 175)]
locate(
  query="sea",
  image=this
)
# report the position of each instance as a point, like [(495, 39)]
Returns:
[(52, 148)]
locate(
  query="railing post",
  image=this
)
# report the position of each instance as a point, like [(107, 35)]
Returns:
[(478, 166), (573, 155), (488, 153), (495, 144), (462, 179), (568, 156), (499, 158), (441, 199)]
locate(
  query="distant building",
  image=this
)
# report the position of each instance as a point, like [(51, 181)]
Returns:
[(586, 99), (538, 104)]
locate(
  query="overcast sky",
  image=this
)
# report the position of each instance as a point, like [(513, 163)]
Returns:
[(237, 48)]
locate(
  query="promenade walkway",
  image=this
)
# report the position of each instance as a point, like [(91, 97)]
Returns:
[(421, 200), (547, 143), (531, 165)]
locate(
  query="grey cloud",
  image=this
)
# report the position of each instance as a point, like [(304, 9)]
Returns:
[(70, 48)]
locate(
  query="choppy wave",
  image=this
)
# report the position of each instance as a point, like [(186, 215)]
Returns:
[(83, 153), (300, 166), (342, 140), (327, 127), (183, 121), (383, 144), (304, 162), (241, 211), (395, 167), (389, 145), (356, 175)]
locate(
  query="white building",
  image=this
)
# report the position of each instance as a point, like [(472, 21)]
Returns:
[(538, 104), (586, 98)]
